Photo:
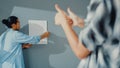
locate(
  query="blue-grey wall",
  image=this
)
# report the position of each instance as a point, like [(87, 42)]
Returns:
[(57, 53)]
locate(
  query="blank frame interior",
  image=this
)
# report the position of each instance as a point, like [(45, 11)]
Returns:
[(38, 27)]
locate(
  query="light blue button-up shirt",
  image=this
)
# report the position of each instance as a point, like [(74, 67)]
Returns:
[(11, 55)]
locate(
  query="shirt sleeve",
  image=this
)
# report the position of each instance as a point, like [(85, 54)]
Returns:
[(90, 36), (87, 37), (94, 9), (23, 38)]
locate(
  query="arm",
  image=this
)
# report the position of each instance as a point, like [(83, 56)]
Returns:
[(78, 48), (27, 45), (23, 38)]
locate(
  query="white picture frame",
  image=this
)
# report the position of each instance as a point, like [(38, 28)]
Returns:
[(38, 27)]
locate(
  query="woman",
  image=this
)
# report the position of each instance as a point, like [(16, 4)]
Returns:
[(98, 45), (11, 41)]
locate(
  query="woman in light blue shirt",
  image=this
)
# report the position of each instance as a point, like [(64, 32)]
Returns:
[(11, 40)]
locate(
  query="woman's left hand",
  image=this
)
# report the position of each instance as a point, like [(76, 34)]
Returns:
[(77, 21), (27, 45)]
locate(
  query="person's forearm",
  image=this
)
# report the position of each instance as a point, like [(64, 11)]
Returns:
[(70, 33), (77, 47)]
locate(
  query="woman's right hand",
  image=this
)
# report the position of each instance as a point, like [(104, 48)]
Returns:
[(45, 35)]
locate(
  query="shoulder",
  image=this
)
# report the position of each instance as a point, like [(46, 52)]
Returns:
[(15, 33), (18, 33)]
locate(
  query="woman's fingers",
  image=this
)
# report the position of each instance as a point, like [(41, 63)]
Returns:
[(69, 11), (26, 45), (58, 8), (61, 17)]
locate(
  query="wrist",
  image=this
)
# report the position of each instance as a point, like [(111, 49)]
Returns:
[(42, 36), (81, 23), (66, 24)]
